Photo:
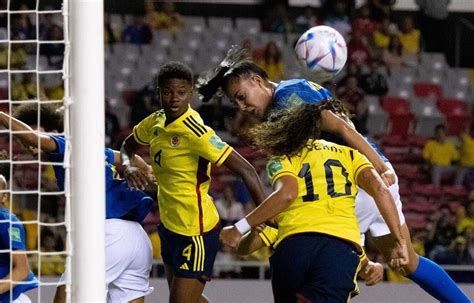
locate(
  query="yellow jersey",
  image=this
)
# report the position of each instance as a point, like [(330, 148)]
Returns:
[(181, 153), (467, 151), (326, 174), (440, 153)]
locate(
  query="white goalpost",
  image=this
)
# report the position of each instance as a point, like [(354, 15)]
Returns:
[(85, 104)]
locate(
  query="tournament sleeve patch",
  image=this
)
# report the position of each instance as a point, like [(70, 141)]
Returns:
[(15, 234), (217, 142), (273, 167)]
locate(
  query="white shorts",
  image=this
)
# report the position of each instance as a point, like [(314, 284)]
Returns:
[(128, 261), (22, 299), (368, 215)]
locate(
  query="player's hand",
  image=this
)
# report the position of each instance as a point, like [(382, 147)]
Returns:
[(135, 177), (389, 177), (230, 236), (373, 273), (399, 256), (259, 228)]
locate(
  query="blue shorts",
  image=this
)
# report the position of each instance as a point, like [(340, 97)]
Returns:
[(189, 256), (314, 267)]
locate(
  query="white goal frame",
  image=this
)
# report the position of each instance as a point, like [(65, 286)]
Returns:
[(84, 105)]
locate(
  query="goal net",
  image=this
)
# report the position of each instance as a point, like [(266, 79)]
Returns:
[(62, 219)]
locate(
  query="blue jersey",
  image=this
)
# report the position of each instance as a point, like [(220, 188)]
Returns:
[(121, 202), (12, 237), (298, 91)]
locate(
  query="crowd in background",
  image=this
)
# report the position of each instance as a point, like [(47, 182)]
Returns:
[(377, 44)]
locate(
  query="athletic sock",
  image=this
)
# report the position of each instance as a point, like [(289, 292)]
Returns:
[(435, 281)]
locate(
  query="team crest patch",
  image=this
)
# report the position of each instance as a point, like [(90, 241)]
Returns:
[(14, 234), (217, 142), (175, 140)]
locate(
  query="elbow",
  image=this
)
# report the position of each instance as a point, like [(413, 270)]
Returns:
[(288, 197)]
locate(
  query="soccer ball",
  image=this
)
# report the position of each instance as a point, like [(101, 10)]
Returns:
[(322, 51)]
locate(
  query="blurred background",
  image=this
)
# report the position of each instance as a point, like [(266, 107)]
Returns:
[(409, 81)]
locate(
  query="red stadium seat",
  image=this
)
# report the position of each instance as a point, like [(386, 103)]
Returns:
[(427, 90), (457, 115), (128, 96), (401, 117)]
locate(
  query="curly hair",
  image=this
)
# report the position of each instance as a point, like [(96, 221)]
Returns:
[(51, 117), (174, 70), (287, 130)]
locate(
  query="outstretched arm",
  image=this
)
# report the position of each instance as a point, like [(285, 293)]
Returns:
[(286, 191), (135, 171), (238, 165), (336, 125), (29, 136), (370, 181), (20, 271)]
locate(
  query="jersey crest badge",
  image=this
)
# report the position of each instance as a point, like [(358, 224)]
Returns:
[(174, 141)]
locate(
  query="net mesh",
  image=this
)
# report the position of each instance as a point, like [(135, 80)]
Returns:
[(34, 70)]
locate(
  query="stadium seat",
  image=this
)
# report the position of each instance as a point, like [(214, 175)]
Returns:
[(221, 25), (249, 26), (194, 24), (377, 117), (401, 118), (457, 115), (427, 116), (433, 61), (427, 90), (427, 190)]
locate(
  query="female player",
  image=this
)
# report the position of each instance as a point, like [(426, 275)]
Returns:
[(249, 88), (318, 249), (12, 236), (262, 235), (181, 149), (127, 246)]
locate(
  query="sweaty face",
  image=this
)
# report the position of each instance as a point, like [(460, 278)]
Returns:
[(250, 95), (175, 96)]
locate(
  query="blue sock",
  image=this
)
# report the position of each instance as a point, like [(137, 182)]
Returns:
[(435, 281)]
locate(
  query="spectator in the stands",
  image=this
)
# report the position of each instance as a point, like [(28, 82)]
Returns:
[(277, 19), (362, 23), (433, 23), (272, 62), (164, 17), (469, 236), (466, 162), (374, 82), (21, 27), (54, 52), (380, 9), (442, 231), (144, 103), (393, 56), (17, 56), (307, 19), (23, 87), (456, 254), (112, 125), (354, 99), (381, 37), (440, 155), (338, 18), (254, 53), (409, 37), (358, 50), (110, 34), (467, 221), (230, 210), (137, 33)]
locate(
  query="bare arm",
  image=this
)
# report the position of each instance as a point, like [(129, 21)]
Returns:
[(133, 173), (286, 191), (238, 165), (249, 243), (370, 181), (30, 137), (20, 272), (336, 125)]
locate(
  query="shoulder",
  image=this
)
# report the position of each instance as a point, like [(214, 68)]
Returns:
[(194, 125)]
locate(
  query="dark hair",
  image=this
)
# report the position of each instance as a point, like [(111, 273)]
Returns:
[(391, 45), (439, 127), (236, 64), (276, 58), (50, 118), (287, 131), (174, 70)]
